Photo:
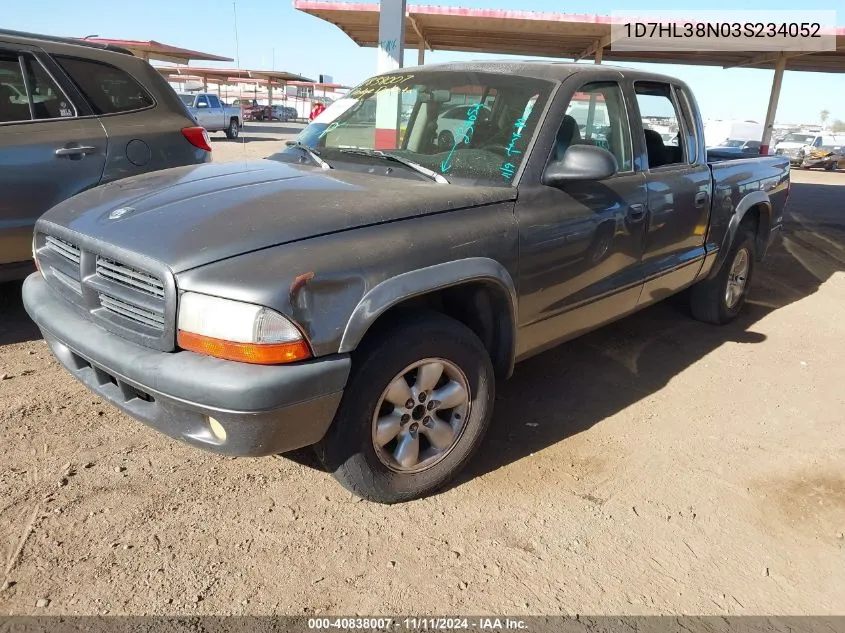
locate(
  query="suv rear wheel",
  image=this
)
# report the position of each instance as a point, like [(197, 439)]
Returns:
[(415, 409)]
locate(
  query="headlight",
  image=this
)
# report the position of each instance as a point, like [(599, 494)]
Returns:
[(238, 331)]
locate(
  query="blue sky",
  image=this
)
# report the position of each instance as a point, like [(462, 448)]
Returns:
[(308, 46)]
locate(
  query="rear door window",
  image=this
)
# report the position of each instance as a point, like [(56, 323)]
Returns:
[(27, 91), (108, 89), (659, 114)]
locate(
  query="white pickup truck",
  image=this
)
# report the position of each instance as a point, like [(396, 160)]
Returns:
[(212, 114)]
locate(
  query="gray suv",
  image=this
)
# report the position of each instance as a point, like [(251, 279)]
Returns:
[(73, 115)]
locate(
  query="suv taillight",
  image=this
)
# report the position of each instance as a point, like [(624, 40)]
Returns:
[(198, 137)]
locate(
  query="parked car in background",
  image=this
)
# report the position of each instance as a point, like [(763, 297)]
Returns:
[(670, 138), (454, 122), (214, 115), (283, 113), (74, 115), (797, 145), (254, 111), (738, 147), (830, 156), (367, 300)]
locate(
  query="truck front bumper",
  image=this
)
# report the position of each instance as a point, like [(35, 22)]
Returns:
[(262, 410)]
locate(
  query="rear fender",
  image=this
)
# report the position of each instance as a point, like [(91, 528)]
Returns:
[(758, 199)]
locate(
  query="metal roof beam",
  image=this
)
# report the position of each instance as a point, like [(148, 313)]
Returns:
[(767, 58), (596, 46), (419, 32)]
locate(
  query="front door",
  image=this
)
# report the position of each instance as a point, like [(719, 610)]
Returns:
[(581, 243), (47, 151), (679, 191)]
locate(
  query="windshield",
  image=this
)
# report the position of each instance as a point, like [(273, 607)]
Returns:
[(733, 143), (798, 138), (461, 125), (187, 99)]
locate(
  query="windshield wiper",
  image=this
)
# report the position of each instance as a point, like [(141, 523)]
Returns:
[(374, 153), (312, 154)]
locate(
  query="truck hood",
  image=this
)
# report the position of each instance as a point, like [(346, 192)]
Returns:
[(191, 216)]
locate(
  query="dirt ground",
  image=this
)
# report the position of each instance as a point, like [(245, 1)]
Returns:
[(656, 466)]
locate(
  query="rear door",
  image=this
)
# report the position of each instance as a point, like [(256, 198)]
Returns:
[(679, 191), (51, 147), (143, 126)]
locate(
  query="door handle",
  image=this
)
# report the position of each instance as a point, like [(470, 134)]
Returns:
[(636, 212), (81, 150), (700, 199)]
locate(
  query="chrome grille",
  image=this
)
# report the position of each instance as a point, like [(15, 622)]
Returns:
[(128, 276), (123, 292), (145, 316), (65, 249)]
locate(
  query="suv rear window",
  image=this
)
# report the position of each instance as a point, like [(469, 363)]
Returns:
[(109, 90)]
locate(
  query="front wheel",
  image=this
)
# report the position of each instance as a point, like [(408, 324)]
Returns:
[(719, 300), (415, 409)]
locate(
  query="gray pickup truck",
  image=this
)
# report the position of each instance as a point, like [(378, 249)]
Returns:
[(365, 298), (212, 114)]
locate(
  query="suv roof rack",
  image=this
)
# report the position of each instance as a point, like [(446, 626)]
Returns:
[(66, 40)]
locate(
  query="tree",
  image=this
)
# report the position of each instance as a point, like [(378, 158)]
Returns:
[(838, 126), (823, 115)]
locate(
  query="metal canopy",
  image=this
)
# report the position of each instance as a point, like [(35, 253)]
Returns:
[(575, 36), (232, 74), (156, 51)]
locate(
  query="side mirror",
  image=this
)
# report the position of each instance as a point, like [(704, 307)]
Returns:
[(202, 104), (581, 162)]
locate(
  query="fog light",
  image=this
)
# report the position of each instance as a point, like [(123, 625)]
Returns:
[(217, 429)]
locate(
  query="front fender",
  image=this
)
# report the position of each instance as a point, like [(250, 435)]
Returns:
[(335, 286), (394, 290)]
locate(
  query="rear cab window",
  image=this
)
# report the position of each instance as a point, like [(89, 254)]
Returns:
[(109, 90), (28, 92)]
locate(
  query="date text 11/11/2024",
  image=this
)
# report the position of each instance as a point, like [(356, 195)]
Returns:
[(418, 624)]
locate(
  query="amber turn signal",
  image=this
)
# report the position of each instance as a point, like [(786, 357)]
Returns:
[(256, 353)]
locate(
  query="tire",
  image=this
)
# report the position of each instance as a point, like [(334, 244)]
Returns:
[(349, 450), (233, 130), (709, 301)]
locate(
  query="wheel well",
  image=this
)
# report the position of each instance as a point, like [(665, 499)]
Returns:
[(484, 307), (756, 219)]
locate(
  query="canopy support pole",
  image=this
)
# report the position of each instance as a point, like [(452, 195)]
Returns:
[(391, 50), (780, 66)]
